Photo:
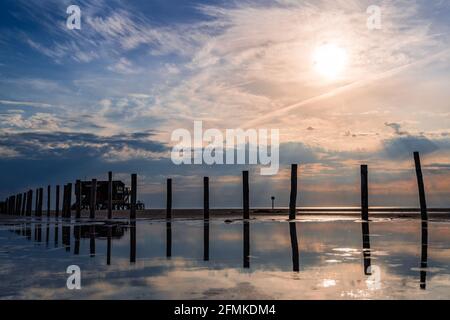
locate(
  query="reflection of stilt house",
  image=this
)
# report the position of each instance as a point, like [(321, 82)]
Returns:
[(121, 196)]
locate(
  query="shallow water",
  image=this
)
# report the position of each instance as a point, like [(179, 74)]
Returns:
[(266, 258)]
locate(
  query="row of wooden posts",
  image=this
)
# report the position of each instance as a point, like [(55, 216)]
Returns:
[(21, 204)]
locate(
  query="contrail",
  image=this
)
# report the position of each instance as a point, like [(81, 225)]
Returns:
[(345, 88)]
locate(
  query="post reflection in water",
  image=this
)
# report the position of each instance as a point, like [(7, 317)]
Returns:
[(47, 234), (133, 242), (206, 240), (77, 236), (168, 239), (56, 234), (246, 244), (424, 256), (294, 245), (108, 246), (66, 237), (92, 241), (366, 247), (28, 231), (39, 232)]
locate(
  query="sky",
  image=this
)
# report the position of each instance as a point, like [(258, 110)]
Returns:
[(75, 104)]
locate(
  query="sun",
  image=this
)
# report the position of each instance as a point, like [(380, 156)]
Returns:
[(330, 60)]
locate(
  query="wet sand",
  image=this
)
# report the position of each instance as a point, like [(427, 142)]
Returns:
[(441, 213)]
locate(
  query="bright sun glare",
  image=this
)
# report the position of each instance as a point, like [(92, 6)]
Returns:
[(330, 60)]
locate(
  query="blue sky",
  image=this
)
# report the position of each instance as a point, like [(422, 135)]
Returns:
[(77, 103)]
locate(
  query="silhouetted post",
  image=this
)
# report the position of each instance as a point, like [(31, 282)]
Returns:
[(69, 200), (246, 244), (364, 194), (366, 247), (110, 191), (424, 256), (206, 198), (168, 238), (273, 202), (40, 202), (29, 202), (36, 203), (78, 199), (246, 195), (24, 201), (93, 203), (49, 190), (64, 205), (293, 196), (133, 242), (169, 199), (206, 240), (420, 184), (133, 196), (57, 202), (18, 204), (294, 246)]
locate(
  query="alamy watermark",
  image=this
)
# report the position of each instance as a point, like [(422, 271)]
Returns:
[(74, 280), (212, 146), (73, 22)]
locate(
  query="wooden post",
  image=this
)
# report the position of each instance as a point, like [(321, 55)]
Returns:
[(64, 204), (40, 202), (29, 202), (93, 199), (110, 192), (69, 200), (24, 204), (273, 202), (49, 189), (293, 196), (78, 199), (364, 193), (18, 204), (169, 199), (133, 196), (206, 198), (36, 203), (245, 195), (420, 184), (57, 202)]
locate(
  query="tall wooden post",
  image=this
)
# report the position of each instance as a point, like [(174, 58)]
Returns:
[(110, 192), (40, 202), (49, 189), (246, 195), (18, 204), (57, 196), (69, 200), (64, 204), (206, 198), (78, 199), (133, 196), (293, 196), (24, 201), (36, 203), (169, 199), (29, 202), (420, 184), (364, 193), (93, 203)]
